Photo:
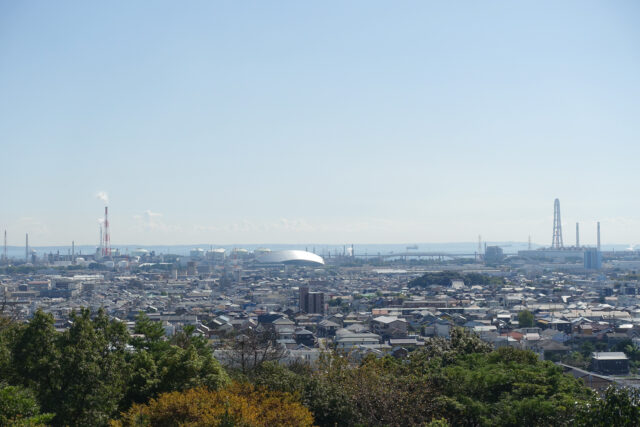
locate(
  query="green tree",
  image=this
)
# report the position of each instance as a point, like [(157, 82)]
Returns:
[(335, 302), (188, 337), (278, 377), (180, 369), (19, 407), (508, 387), (160, 365), (143, 379), (526, 319), (92, 370), (459, 381), (617, 408), (440, 351), (9, 334), (36, 359), (151, 335)]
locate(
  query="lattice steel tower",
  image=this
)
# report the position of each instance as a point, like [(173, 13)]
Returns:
[(556, 243)]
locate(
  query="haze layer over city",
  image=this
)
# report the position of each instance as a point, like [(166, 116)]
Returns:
[(319, 213), (365, 122)]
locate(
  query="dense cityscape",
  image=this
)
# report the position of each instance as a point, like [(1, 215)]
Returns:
[(577, 307), (332, 214)]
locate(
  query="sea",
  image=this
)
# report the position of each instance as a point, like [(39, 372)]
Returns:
[(323, 249)]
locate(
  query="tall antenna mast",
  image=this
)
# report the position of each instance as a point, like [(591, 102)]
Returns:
[(598, 235), (577, 234), (26, 248), (556, 242), (6, 260)]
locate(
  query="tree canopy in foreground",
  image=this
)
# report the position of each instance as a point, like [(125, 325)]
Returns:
[(237, 405), (95, 373)]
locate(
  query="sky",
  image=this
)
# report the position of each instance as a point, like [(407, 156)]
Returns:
[(218, 122)]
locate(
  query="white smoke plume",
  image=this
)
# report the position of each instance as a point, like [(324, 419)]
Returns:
[(103, 196)]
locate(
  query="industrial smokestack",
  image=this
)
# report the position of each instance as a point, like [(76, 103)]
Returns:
[(598, 235), (577, 234), (107, 234), (26, 248), (100, 244)]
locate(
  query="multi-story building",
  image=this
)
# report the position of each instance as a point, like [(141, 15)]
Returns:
[(311, 302)]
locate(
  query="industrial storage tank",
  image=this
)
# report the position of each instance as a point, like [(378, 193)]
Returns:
[(197, 253), (139, 252), (216, 254), (239, 253)]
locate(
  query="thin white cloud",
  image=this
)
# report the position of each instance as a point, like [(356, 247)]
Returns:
[(153, 221), (301, 225)]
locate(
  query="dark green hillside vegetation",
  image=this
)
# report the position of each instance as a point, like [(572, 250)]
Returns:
[(86, 376), (19, 407), (526, 319), (618, 407), (461, 381), (444, 278), (95, 374)]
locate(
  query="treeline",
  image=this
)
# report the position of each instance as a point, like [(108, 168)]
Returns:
[(444, 278), (94, 369), (456, 382), (95, 373)]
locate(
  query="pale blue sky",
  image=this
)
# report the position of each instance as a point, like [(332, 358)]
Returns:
[(333, 122)]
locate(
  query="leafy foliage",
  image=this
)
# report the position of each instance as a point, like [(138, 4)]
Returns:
[(459, 381), (444, 278), (78, 374), (95, 370), (85, 374), (631, 350), (92, 369), (526, 319), (237, 405), (160, 365), (508, 387), (18, 407), (618, 407)]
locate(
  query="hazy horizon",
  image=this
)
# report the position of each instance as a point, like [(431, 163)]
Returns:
[(292, 122), (509, 247)]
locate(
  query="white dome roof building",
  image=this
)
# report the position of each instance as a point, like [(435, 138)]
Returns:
[(291, 257)]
